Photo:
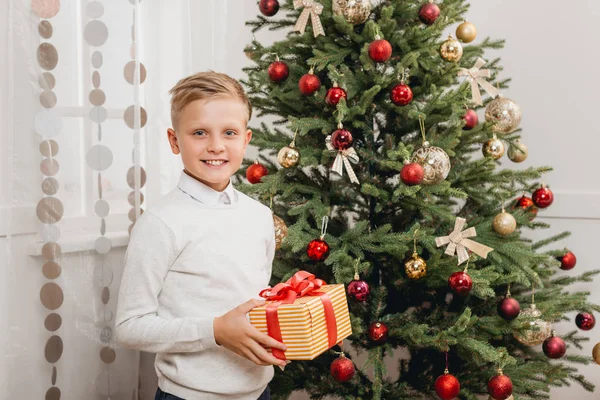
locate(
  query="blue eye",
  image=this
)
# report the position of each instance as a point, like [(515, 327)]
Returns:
[(230, 133), (199, 133)]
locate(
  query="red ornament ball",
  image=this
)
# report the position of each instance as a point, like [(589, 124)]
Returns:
[(317, 250), (542, 197), (554, 347), (378, 332), (334, 95), (412, 174), (278, 71), (341, 139), (585, 321), (527, 204), (358, 290), (380, 50), (428, 13), (509, 308), (471, 120), (342, 369), (268, 7), (309, 84), (567, 261), (460, 283), (401, 95), (447, 386), (255, 172), (500, 387)]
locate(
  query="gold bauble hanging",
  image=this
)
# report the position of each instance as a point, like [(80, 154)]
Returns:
[(435, 163), (504, 113), (451, 50), (493, 148), (466, 32), (596, 353), (504, 223), (281, 231), (415, 267), (538, 330), (288, 156), (354, 11), (517, 152)]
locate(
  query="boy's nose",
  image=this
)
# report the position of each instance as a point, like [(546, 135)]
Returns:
[(216, 144)]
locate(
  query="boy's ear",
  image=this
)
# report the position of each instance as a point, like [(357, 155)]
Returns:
[(173, 141), (248, 138)]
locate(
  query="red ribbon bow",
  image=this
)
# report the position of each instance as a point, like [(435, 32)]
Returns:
[(301, 284)]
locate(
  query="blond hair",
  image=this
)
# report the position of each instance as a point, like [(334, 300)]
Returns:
[(205, 85)]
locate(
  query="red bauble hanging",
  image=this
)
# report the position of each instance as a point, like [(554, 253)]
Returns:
[(268, 7), (585, 321), (554, 347), (471, 120), (412, 174), (428, 13), (500, 386), (542, 197), (255, 172), (309, 83), (525, 203), (460, 283), (317, 250), (378, 332), (447, 386), (509, 308), (567, 261), (342, 369), (335, 94), (380, 50), (401, 94), (341, 139), (358, 289), (278, 71)]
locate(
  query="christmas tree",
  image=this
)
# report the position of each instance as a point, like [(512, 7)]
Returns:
[(374, 171)]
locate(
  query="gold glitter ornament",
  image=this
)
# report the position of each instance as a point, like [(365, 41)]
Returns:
[(415, 267), (466, 32), (354, 11), (504, 113), (596, 353), (451, 50), (281, 231), (538, 330), (493, 148), (288, 156), (504, 223), (517, 152), (435, 163)]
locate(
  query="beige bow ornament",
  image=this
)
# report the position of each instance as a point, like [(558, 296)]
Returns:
[(312, 10), (343, 158), (458, 242), (476, 76)]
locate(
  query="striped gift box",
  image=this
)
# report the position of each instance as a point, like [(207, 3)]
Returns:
[(303, 326)]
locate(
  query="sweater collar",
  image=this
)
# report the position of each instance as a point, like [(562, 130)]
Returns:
[(204, 193)]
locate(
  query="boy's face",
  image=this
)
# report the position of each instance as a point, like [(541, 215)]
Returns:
[(212, 137)]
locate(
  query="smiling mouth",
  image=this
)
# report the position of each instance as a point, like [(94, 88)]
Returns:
[(215, 163)]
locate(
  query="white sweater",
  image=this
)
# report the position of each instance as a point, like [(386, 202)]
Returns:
[(190, 259)]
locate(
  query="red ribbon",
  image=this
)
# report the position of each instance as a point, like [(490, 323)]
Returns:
[(301, 284)]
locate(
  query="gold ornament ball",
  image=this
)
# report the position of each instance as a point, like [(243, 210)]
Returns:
[(354, 11), (451, 50), (466, 32), (493, 148), (504, 223), (415, 267), (435, 163), (517, 152), (596, 353), (538, 330), (504, 113), (288, 156), (281, 231)]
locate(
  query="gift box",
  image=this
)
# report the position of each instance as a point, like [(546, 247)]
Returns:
[(304, 313)]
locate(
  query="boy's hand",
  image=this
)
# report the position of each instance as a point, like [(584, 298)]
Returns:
[(234, 332)]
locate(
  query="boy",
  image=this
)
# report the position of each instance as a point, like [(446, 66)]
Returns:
[(197, 260)]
